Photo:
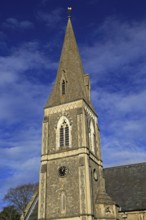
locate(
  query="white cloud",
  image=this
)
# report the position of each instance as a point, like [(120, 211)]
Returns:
[(118, 153), (117, 63), (20, 95), (20, 157), (25, 172), (133, 103), (51, 19), (13, 23), (23, 96), (120, 102), (121, 50), (122, 122)]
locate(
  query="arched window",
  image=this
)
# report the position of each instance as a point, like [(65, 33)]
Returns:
[(63, 202), (63, 87), (63, 133), (92, 137)]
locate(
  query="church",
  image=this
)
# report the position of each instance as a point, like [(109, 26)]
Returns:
[(73, 184)]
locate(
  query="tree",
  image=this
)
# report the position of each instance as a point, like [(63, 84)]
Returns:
[(9, 213), (20, 196)]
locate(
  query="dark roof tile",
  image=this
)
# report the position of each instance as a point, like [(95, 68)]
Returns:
[(127, 186)]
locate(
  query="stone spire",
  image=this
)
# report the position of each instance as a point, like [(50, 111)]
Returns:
[(71, 83)]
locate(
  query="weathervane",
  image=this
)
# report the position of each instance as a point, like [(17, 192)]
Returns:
[(69, 9)]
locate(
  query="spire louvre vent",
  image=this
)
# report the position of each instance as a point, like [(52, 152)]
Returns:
[(63, 87)]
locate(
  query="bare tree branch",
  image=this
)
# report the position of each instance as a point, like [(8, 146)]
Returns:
[(20, 196)]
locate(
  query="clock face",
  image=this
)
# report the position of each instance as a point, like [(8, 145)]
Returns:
[(62, 171)]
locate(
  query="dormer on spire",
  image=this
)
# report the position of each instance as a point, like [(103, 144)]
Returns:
[(71, 83)]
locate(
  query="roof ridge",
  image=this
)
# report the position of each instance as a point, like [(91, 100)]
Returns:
[(125, 165)]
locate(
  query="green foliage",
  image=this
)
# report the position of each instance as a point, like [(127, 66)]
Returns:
[(20, 196), (9, 213)]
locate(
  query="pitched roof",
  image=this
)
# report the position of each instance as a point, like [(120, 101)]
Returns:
[(71, 70), (127, 186)]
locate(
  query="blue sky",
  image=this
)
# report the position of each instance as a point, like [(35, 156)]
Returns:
[(111, 36)]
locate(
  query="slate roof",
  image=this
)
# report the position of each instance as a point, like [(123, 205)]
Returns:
[(127, 186)]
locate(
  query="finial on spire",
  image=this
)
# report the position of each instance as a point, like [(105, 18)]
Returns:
[(69, 9)]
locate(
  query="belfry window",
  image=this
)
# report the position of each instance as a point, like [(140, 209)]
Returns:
[(63, 133), (63, 87)]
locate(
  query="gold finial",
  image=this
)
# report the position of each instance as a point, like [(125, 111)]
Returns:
[(69, 9)]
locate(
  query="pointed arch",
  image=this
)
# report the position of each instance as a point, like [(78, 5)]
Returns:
[(63, 133), (92, 137), (63, 202), (63, 84)]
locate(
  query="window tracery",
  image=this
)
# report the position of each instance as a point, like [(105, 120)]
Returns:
[(63, 134)]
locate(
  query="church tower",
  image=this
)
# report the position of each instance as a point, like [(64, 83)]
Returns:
[(71, 176)]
